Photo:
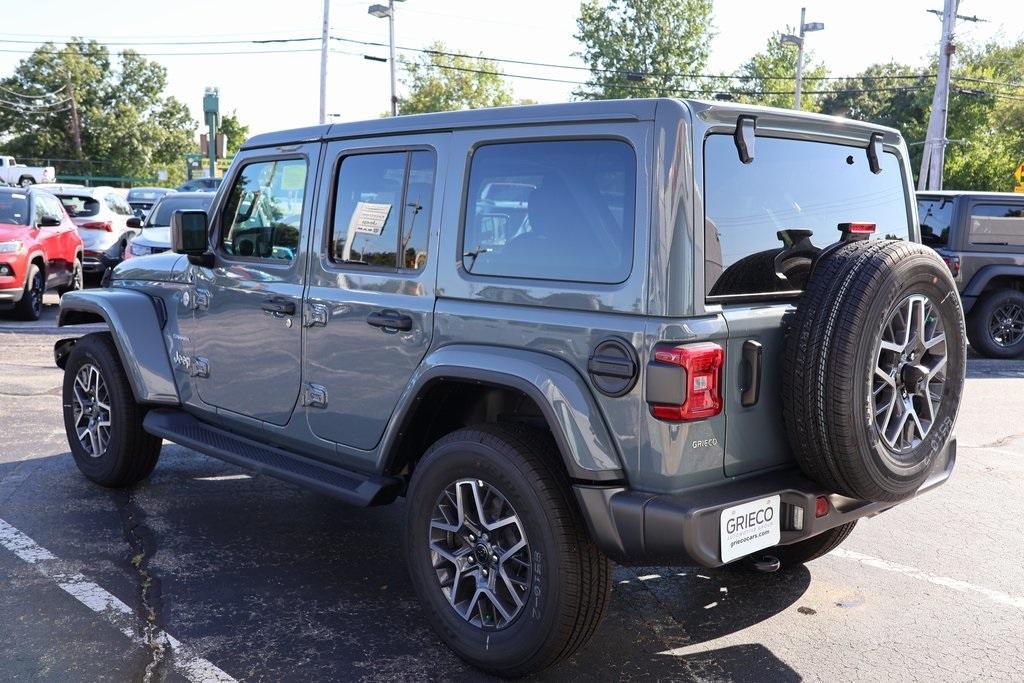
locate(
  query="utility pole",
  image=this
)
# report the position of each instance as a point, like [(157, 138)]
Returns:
[(324, 50), (380, 11), (798, 40), (76, 123), (933, 157)]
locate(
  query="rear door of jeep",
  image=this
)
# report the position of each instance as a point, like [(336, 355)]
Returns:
[(765, 217)]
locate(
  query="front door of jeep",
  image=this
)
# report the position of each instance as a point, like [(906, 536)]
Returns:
[(248, 305)]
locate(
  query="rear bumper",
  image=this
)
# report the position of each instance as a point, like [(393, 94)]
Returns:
[(97, 264), (633, 526)]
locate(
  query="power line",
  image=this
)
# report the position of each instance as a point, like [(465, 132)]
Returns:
[(252, 41), (34, 97)]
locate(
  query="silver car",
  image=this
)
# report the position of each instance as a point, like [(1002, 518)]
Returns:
[(101, 215), (155, 236)]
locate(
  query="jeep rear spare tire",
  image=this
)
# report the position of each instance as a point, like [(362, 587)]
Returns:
[(873, 368)]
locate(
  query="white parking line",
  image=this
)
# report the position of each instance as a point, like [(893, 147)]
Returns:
[(114, 611), (955, 584)]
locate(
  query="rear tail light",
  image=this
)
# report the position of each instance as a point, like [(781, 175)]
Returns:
[(99, 225), (821, 506), (953, 262), (695, 392)]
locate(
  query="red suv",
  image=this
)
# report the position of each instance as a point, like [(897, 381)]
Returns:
[(39, 249)]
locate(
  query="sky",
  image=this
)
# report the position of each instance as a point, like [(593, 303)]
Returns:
[(281, 89)]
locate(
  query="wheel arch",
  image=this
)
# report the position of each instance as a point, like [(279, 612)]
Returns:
[(992, 277), (135, 324), (461, 385)]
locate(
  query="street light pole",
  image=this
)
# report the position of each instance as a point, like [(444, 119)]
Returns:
[(800, 59), (324, 50), (798, 40), (380, 11)]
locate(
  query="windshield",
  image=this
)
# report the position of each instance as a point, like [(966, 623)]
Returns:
[(80, 206), (764, 220), (161, 216), (13, 208), (936, 216)]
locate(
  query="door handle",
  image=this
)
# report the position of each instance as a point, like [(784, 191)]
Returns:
[(279, 306), (390, 320), (751, 390)]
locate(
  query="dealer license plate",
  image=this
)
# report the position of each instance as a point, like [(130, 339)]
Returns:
[(750, 527)]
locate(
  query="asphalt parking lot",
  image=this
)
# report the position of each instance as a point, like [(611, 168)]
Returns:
[(207, 572)]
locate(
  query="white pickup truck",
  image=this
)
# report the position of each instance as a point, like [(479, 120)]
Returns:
[(14, 173)]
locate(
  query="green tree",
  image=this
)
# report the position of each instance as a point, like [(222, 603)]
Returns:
[(125, 123), (234, 130), (663, 43), (985, 142), (769, 77), (442, 82)]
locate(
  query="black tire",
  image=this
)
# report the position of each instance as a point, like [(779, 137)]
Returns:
[(981, 323), (130, 453), (569, 582), (834, 343), (756, 273), (77, 279), (30, 306), (801, 552)]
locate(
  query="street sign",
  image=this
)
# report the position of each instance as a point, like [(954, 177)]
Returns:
[(1019, 188), (1018, 175)]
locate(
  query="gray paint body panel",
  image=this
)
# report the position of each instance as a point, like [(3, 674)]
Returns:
[(132, 319)]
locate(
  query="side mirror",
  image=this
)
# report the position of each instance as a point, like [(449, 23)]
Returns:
[(134, 222), (49, 222), (189, 236)]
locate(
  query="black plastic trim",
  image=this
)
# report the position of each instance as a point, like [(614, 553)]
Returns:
[(636, 526), (351, 487)]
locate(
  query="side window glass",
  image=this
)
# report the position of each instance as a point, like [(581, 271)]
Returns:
[(559, 210), (53, 208), (997, 224), (419, 196), (263, 214), (368, 209)]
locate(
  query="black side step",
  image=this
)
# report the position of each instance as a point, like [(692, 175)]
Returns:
[(350, 487)]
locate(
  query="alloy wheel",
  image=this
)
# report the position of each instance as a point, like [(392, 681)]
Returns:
[(909, 374), (480, 554), (1006, 326), (91, 405)]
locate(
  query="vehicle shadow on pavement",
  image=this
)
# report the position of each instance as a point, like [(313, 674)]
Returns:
[(270, 582)]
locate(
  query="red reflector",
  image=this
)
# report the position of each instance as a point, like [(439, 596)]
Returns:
[(821, 506), (702, 396), (858, 228), (953, 262), (99, 225)]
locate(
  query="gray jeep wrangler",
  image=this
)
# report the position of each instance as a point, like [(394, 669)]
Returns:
[(980, 236), (653, 331)]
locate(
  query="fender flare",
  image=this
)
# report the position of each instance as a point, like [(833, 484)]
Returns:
[(565, 399), (135, 323), (981, 279)]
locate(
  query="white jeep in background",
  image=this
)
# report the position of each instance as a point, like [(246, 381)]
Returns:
[(14, 173)]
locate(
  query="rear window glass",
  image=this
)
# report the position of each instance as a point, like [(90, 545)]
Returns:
[(13, 208), (764, 220), (559, 210), (936, 218), (80, 206)]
